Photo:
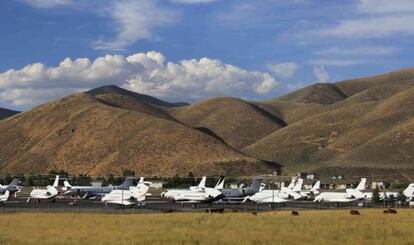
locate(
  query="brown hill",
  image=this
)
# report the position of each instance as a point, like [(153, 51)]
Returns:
[(355, 127), (320, 93), (237, 122), (369, 130), (82, 134), (112, 89), (4, 113)]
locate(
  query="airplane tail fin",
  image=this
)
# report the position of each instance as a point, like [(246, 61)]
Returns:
[(14, 182), (257, 182), (56, 183), (298, 186), (6, 195), (203, 182), (127, 183), (361, 185), (141, 180), (67, 184), (220, 184), (316, 186), (262, 186), (292, 184), (409, 191)]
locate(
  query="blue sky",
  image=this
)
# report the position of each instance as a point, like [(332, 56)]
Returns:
[(188, 50)]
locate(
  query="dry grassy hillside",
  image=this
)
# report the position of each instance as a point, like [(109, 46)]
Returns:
[(355, 127), (237, 122), (112, 89), (86, 135), (370, 129), (4, 113)]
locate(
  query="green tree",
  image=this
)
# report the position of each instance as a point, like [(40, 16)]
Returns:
[(401, 197), (128, 173), (375, 196)]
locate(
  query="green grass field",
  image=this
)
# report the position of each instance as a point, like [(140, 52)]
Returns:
[(316, 227)]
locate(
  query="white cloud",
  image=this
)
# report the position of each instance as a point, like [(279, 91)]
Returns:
[(283, 70), (146, 73), (358, 51), (134, 20), (193, 1), (372, 27), (47, 3), (386, 6), (321, 74), (336, 62), (376, 19)]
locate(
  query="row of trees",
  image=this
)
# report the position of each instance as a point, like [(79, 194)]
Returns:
[(376, 198)]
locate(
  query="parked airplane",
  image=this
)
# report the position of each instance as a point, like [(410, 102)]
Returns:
[(267, 196), (285, 194), (349, 195), (172, 193), (4, 197), (208, 195), (134, 195), (312, 192), (49, 193), (94, 190), (196, 194), (240, 193), (13, 187)]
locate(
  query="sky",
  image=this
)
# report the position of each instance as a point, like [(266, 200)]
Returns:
[(189, 50)]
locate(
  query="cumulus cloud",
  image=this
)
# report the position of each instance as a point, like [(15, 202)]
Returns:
[(134, 20), (47, 3), (147, 73), (283, 70), (321, 74)]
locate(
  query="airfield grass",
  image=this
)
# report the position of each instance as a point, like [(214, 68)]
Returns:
[(310, 227)]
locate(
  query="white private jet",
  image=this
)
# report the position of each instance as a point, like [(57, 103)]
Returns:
[(134, 195), (42, 194), (172, 193), (267, 196), (285, 194), (313, 191), (293, 192), (4, 197), (196, 194), (349, 195)]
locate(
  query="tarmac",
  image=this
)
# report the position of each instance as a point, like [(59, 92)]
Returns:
[(157, 204)]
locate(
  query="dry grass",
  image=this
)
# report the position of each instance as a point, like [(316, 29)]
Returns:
[(322, 227)]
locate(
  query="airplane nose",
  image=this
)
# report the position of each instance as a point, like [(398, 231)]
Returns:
[(162, 194)]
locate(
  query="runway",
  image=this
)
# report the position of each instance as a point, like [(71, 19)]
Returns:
[(157, 204)]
